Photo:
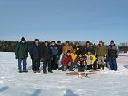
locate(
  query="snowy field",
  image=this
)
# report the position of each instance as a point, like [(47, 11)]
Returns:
[(103, 83)]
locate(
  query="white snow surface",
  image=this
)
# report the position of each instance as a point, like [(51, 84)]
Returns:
[(103, 83)]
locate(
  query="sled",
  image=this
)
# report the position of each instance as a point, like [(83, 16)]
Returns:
[(80, 74)]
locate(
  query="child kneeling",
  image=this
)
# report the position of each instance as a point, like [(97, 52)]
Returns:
[(66, 61), (90, 59)]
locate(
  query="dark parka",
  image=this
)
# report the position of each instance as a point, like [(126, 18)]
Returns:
[(21, 50), (112, 51), (35, 52), (46, 52)]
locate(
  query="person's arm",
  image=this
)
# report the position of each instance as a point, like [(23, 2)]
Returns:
[(117, 52), (16, 51)]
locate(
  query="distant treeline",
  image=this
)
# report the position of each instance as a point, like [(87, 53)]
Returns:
[(9, 46)]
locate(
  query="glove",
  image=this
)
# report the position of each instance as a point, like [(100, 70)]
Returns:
[(116, 56)]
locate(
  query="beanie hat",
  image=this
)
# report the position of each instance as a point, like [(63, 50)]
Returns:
[(112, 41), (23, 39), (36, 39)]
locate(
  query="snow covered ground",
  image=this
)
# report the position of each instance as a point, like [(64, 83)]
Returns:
[(103, 83)]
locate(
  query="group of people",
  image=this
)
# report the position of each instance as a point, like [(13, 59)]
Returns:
[(67, 56)]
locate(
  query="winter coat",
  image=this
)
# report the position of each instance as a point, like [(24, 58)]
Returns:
[(90, 49), (100, 50), (112, 51), (66, 59), (54, 50), (35, 52), (59, 47), (90, 59), (21, 50), (81, 59), (81, 50), (66, 48), (46, 52), (74, 56)]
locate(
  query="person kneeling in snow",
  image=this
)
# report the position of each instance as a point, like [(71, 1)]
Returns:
[(66, 61), (90, 59), (81, 61)]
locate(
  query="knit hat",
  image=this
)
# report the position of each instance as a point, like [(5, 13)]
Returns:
[(23, 39), (36, 39), (100, 41), (112, 41)]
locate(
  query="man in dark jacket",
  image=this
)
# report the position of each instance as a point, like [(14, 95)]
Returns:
[(112, 55), (35, 53), (21, 54), (54, 50), (46, 55)]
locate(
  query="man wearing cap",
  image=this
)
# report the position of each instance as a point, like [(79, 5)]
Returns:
[(35, 53), (21, 54), (112, 55)]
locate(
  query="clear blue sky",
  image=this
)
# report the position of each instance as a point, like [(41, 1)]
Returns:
[(64, 20)]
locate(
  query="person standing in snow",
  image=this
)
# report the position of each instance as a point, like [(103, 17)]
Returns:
[(100, 54), (46, 55), (59, 47), (112, 55), (35, 53), (21, 54), (54, 50)]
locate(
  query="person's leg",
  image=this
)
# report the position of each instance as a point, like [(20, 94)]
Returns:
[(24, 65), (114, 64), (45, 66), (95, 65), (49, 67), (19, 65), (111, 63), (34, 65), (71, 67), (64, 67), (38, 65), (89, 67), (54, 63), (99, 62), (102, 61)]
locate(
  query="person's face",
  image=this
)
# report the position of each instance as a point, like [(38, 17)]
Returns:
[(53, 43), (111, 43), (68, 54), (36, 42), (74, 51), (100, 43), (88, 44), (46, 44), (59, 43), (89, 53), (67, 43)]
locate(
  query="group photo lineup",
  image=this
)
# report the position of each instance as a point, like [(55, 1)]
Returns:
[(63, 48)]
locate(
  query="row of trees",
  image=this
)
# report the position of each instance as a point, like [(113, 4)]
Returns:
[(9, 46)]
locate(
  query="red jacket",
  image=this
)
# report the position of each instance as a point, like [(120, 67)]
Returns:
[(66, 59)]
